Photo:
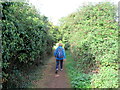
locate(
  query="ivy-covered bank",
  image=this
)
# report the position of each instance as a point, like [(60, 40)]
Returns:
[(91, 35), (27, 37)]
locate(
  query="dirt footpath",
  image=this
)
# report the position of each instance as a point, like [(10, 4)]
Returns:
[(52, 80)]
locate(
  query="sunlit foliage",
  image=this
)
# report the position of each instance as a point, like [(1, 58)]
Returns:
[(91, 35)]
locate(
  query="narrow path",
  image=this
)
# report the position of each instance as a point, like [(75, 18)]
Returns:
[(52, 80)]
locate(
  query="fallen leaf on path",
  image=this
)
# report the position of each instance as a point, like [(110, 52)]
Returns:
[(57, 75)]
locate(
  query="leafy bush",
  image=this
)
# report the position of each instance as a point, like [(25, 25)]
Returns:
[(107, 78), (26, 39), (93, 39)]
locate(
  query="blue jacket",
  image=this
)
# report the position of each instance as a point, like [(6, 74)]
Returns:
[(63, 52)]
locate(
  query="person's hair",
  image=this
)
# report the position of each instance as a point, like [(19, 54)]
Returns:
[(60, 44)]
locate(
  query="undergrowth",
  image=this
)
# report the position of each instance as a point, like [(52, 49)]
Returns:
[(107, 77), (77, 78)]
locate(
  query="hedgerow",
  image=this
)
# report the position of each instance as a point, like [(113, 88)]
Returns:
[(91, 35), (26, 39)]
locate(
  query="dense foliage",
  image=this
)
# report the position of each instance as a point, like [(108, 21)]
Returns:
[(27, 37), (91, 35)]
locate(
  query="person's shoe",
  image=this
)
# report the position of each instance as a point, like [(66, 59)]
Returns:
[(61, 69), (56, 71)]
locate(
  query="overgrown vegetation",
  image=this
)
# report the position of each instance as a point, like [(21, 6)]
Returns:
[(91, 35), (78, 79), (27, 37)]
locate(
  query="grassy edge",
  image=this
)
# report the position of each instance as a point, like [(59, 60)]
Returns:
[(74, 75), (69, 63), (36, 73)]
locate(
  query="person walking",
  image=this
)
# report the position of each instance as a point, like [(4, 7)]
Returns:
[(60, 56)]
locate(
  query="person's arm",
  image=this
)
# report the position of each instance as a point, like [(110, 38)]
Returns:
[(64, 55)]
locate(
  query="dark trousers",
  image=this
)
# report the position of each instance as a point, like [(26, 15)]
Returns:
[(59, 62)]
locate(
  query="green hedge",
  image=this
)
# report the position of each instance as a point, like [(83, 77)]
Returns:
[(26, 39), (91, 34)]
